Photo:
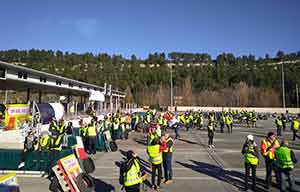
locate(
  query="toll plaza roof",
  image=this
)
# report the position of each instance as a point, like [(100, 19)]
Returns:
[(15, 77)]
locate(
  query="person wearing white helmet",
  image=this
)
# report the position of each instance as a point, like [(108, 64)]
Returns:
[(250, 153)]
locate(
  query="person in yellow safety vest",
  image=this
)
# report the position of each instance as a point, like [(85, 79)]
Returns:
[(182, 119), (210, 133), (253, 119), (131, 172), (278, 123), (82, 130), (283, 120), (92, 138), (295, 128), (154, 151), (61, 128), (211, 117), (250, 153), (268, 147), (167, 158), (190, 121), (56, 143), (147, 117), (222, 122), (285, 159), (123, 126), (152, 135), (160, 120), (136, 121), (53, 126), (228, 122), (249, 118), (115, 125), (158, 130), (44, 143)]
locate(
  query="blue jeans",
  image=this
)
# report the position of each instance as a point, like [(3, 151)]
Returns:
[(176, 129), (167, 164), (286, 180), (279, 128)]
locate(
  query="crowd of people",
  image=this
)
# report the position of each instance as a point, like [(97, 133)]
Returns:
[(277, 155), (156, 126)]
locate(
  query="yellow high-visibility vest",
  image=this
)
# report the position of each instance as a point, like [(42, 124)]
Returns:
[(91, 131), (131, 177), (155, 156), (169, 149)]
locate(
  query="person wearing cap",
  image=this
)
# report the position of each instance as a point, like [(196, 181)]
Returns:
[(131, 173), (251, 160), (268, 147), (285, 162)]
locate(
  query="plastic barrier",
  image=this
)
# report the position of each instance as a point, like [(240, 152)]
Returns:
[(71, 141), (100, 145), (9, 159), (35, 161), (76, 131)]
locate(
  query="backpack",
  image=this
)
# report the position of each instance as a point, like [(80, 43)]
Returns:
[(122, 172)]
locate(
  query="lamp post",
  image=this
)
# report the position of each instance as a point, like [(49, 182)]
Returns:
[(297, 94), (282, 81), (171, 83)]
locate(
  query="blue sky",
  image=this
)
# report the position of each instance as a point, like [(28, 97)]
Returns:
[(143, 26)]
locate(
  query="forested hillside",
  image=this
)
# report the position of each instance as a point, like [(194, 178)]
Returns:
[(198, 79)]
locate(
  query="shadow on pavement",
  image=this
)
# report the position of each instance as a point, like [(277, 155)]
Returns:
[(101, 186), (189, 142), (142, 142), (234, 178)]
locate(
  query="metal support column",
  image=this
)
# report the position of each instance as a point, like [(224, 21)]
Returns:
[(111, 103), (28, 95), (40, 96)]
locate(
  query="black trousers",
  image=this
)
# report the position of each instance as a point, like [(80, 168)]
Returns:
[(24, 154), (133, 188), (249, 167), (92, 144), (270, 166), (283, 126), (229, 128), (222, 127), (158, 168), (210, 137), (295, 135)]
